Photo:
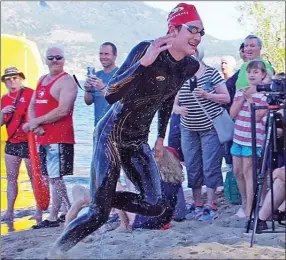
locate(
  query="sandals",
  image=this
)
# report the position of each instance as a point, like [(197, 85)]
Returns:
[(62, 218), (46, 224), (281, 217)]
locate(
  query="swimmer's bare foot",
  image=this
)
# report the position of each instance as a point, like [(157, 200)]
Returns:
[(56, 254), (7, 217)]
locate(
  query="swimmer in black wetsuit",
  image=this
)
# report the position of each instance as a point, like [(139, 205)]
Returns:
[(147, 82)]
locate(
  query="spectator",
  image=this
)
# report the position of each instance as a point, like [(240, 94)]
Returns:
[(96, 85), (241, 149), (252, 50), (230, 82), (242, 53), (200, 143), (227, 65), (14, 105), (51, 110), (279, 125), (278, 200)]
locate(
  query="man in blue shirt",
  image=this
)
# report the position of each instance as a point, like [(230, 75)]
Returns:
[(95, 84)]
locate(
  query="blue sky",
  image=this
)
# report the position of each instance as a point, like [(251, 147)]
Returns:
[(219, 17)]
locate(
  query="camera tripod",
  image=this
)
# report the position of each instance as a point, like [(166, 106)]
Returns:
[(266, 165)]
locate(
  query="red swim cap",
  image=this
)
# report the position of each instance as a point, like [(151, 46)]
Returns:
[(182, 13)]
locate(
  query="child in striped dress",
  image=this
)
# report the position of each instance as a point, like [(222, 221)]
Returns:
[(241, 149)]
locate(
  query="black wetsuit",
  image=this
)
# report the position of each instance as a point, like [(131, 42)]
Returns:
[(121, 136)]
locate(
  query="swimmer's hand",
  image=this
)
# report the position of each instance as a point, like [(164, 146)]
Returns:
[(159, 148), (156, 47)]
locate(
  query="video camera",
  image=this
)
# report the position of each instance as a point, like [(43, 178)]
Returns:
[(275, 92)]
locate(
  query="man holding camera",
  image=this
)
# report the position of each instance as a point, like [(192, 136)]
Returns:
[(95, 85)]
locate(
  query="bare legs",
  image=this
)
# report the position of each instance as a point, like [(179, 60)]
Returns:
[(38, 214), (279, 194), (12, 170), (59, 196), (241, 182)]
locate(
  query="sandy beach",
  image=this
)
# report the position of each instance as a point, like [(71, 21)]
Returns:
[(223, 239)]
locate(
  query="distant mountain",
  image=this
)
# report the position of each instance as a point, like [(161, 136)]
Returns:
[(80, 27)]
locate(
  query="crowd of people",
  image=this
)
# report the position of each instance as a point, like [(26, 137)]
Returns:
[(167, 75)]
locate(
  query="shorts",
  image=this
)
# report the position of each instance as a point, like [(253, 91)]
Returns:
[(243, 150), (57, 160), (17, 149)]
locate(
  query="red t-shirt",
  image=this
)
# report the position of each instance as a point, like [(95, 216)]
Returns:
[(14, 129)]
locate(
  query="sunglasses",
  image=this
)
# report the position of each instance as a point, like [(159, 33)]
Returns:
[(193, 83), (194, 29), (11, 77), (52, 57)]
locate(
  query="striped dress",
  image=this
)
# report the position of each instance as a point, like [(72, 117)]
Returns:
[(242, 129)]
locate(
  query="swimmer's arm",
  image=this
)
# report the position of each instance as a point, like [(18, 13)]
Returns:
[(164, 115), (130, 69)]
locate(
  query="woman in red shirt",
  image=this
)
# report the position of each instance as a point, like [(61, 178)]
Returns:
[(14, 107)]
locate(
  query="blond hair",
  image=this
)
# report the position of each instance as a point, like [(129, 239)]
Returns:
[(170, 168)]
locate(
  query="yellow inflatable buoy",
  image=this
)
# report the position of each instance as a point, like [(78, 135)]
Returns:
[(24, 54)]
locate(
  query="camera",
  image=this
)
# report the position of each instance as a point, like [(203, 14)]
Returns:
[(275, 92), (277, 85)]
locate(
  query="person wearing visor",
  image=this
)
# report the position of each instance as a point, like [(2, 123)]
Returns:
[(14, 107), (147, 82)]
